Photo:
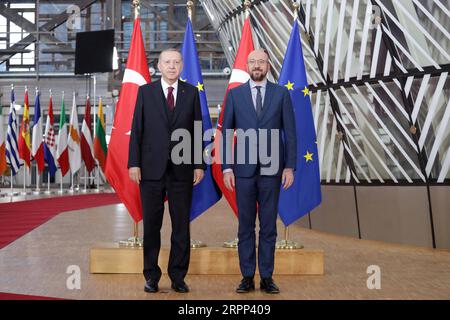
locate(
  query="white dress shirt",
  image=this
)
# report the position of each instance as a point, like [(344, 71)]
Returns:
[(254, 92), (165, 87), (253, 85)]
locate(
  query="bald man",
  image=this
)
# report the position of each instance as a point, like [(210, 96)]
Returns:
[(263, 161)]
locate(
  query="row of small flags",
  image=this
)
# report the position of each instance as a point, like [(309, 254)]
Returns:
[(66, 150)]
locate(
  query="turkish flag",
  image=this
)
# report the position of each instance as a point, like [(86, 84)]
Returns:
[(136, 74), (239, 75)]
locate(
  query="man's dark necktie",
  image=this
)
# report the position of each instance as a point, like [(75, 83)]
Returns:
[(259, 104), (170, 99)]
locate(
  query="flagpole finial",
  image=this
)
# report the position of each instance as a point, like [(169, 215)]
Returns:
[(190, 6), (247, 5), (296, 6), (50, 90), (137, 7)]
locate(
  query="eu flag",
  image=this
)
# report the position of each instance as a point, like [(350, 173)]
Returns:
[(205, 194), (304, 195)]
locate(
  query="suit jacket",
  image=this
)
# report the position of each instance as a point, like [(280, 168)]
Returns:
[(277, 114), (150, 142)]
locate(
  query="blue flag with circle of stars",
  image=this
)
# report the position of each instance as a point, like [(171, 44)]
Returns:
[(305, 194), (206, 193)]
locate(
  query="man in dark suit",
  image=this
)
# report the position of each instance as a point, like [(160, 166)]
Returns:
[(161, 108), (262, 112)]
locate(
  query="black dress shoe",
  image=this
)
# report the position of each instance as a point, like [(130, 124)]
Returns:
[(151, 286), (269, 286), (180, 287), (247, 284)]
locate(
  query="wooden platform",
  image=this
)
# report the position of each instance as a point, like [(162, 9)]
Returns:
[(110, 258)]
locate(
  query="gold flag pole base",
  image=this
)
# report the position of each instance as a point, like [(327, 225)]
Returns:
[(287, 244), (133, 241), (195, 244), (231, 243)]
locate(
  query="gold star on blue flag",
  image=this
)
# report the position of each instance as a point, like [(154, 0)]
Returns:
[(305, 194), (205, 194), (200, 86), (305, 91), (289, 85), (308, 156)]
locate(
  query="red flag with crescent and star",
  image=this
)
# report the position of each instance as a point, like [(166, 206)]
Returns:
[(136, 74), (239, 75)]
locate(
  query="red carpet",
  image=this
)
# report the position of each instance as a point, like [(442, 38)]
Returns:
[(13, 296), (19, 218)]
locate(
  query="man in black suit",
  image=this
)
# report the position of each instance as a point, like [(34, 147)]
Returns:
[(161, 108)]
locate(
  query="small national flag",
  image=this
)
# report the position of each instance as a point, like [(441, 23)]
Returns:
[(73, 140), (12, 149), (62, 151), (205, 194), (305, 194), (37, 146), (3, 164), (49, 140), (87, 147), (25, 137), (100, 149)]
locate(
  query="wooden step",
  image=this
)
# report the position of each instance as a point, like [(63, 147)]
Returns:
[(112, 258)]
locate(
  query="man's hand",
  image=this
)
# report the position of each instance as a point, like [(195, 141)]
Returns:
[(287, 178), (228, 180), (198, 176), (135, 174)]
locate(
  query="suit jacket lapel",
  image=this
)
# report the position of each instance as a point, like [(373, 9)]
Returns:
[(162, 105), (247, 93), (267, 98)]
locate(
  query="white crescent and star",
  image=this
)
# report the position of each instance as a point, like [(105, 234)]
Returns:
[(132, 76)]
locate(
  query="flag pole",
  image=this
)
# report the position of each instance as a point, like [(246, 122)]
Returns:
[(234, 243), (38, 189), (97, 173), (95, 128), (134, 241), (24, 179), (24, 165), (94, 110), (12, 188), (287, 244), (85, 178), (61, 182)]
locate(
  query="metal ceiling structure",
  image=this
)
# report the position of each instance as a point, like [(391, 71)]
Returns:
[(378, 71)]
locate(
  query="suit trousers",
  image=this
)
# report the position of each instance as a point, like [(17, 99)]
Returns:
[(153, 194), (265, 191)]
